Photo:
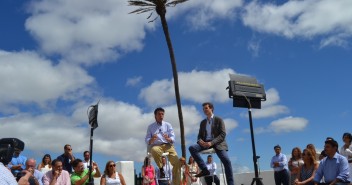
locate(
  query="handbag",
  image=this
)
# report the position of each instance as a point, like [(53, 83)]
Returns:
[(146, 181)]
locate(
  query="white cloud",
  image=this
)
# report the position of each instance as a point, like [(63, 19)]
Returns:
[(272, 97), (270, 111), (288, 124), (26, 78), (160, 92), (269, 107), (86, 31), (196, 86), (254, 46), (134, 81), (305, 19), (202, 14)]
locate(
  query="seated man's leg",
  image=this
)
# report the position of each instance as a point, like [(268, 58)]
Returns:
[(222, 154), (156, 152), (163, 183), (174, 160), (208, 179), (194, 150), (216, 180)]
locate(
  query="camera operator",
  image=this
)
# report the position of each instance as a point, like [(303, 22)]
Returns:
[(7, 146), (6, 177)]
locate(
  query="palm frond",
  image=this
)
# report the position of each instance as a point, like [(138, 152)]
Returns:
[(153, 19), (175, 2), (139, 3), (142, 10), (150, 15)]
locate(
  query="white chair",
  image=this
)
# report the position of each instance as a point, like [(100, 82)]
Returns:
[(211, 151)]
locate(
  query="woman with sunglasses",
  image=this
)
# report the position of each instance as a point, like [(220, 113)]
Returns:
[(111, 176), (307, 170), (45, 165)]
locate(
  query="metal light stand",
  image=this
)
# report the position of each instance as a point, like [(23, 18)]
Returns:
[(93, 122), (256, 179), (91, 179)]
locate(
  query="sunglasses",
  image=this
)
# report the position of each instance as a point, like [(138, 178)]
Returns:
[(112, 165)]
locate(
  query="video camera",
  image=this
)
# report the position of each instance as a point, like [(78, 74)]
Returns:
[(7, 148)]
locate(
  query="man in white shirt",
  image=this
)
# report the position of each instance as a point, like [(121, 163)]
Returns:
[(211, 166), (164, 178)]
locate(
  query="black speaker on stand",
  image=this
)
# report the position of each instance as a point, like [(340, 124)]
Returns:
[(246, 92), (93, 122)]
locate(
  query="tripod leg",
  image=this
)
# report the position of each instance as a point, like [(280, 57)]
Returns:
[(258, 181)]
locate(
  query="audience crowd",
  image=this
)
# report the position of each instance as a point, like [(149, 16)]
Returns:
[(304, 167), (332, 166)]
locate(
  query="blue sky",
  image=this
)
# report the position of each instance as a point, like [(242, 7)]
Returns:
[(59, 57)]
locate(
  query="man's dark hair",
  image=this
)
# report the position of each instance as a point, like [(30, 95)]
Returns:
[(158, 109), (277, 146), (209, 156), (332, 142), (55, 161), (75, 162), (348, 135), (66, 145), (211, 106), (84, 153)]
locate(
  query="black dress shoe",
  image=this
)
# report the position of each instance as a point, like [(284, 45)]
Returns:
[(203, 173)]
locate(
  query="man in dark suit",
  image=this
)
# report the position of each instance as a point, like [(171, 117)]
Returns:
[(212, 134)]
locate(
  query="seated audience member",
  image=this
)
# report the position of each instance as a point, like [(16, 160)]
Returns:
[(294, 163), (56, 176), (184, 171), (307, 171), (193, 171), (346, 150), (111, 176), (17, 163), (80, 176), (45, 165), (334, 167), (164, 176), (211, 166), (314, 151), (36, 177)]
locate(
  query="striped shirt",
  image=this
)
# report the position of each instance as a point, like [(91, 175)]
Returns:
[(6, 177)]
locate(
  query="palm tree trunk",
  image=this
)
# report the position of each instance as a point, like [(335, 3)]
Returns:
[(175, 76)]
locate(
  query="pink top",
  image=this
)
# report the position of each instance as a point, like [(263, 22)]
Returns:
[(149, 172), (63, 179)]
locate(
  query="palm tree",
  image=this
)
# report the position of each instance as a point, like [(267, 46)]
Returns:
[(160, 7)]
